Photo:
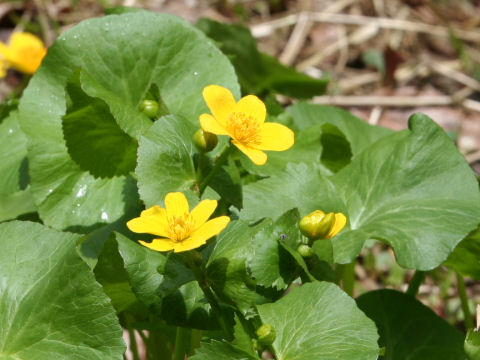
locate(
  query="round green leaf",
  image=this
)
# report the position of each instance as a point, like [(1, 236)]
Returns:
[(220, 350), (410, 330), (271, 265), (121, 59), (411, 189), (52, 307), (464, 259), (319, 321), (15, 197), (165, 161), (358, 132)]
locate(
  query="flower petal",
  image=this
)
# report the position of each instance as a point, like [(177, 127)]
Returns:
[(202, 234), (276, 137), (211, 125), (203, 211), (20, 40), (220, 101), (258, 157), (151, 224), (159, 244), (155, 210), (4, 51), (253, 106), (340, 222), (176, 204)]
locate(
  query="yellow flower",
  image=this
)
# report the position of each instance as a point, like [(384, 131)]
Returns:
[(178, 228), (24, 53), (245, 123), (318, 225)]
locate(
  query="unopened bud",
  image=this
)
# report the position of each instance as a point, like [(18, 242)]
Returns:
[(204, 141), (266, 334), (149, 108), (317, 224), (305, 251)]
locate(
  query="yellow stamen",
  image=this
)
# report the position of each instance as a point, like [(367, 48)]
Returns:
[(180, 227), (244, 128)]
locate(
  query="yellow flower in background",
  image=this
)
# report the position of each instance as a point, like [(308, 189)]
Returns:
[(318, 225), (24, 53), (245, 123), (178, 228)]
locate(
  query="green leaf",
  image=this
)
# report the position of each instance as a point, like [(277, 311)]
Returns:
[(300, 185), (93, 138), (15, 198), (188, 307), (51, 305), (257, 72), (165, 159), (287, 81), (152, 274), (359, 134), (464, 259), (16, 204), (121, 58), (243, 340), (319, 321), (337, 152), (110, 272), (393, 191), (375, 59), (420, 196), (270, 263), (410, 330), (220, 350), (226, 267)]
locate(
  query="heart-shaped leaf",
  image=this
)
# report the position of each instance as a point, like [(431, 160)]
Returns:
[(410, 330), (51, 305), (319, 321), (121, 58)]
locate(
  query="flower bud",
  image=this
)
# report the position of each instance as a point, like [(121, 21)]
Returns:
[(317, 224), (305, 251), (204, 141), (266, 334), (149, 108)]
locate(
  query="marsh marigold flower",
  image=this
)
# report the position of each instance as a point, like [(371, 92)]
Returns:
[(24, 53), (245, 123), (178, 228), (318, 225)]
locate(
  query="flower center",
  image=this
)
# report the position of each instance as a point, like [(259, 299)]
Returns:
[(180, 227), (244, 128)]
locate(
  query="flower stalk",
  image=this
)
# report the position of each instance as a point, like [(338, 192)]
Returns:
[(218, 164), (181, 341), (462, 293), (417, 280)]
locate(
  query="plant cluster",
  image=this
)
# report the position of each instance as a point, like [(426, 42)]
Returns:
[(139, 190)]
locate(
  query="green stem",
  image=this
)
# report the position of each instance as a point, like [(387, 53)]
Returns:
[(462, 292), (338, 272), (200, 165), (414, 284), (218, 164), (195, 337), (157, 346), (133, 343), (181, 341), (199, 276), (348, 278)]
